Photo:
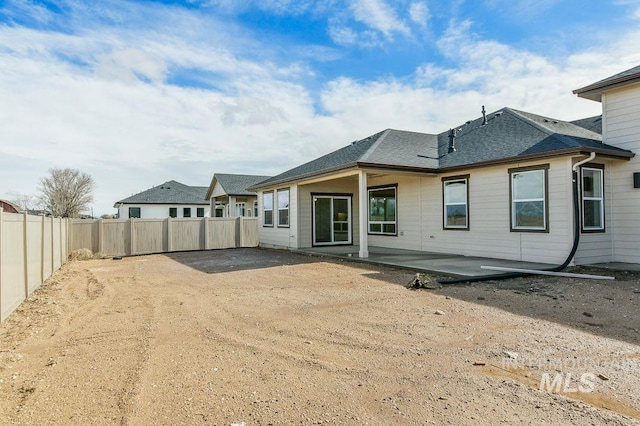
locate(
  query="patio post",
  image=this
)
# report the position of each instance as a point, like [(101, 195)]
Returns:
[(363, 203)]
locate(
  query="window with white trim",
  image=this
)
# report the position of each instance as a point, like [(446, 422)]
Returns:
[(283, 208), (241, 209), (592, 199), (255, 208), (267, 209), (456, 212), (529, 200), (382, 211)]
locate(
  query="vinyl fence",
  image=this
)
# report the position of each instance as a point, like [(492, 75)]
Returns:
[(31, 249), (126, 237)]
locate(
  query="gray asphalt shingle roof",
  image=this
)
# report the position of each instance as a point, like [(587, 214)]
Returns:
[(171, 192), (508, 134), (237, 184), (594, 91)]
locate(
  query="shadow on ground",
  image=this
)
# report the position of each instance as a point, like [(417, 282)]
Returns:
[(608, 308), (601, 307)]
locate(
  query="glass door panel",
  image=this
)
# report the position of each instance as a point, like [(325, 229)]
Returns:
[(331, 220)]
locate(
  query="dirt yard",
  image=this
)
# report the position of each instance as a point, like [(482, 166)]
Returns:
[(260, 337)]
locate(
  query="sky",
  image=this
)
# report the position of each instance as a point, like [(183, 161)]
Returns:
[(137, 93)]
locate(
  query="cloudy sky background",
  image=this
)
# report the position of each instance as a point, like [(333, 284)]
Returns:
[(139, 93)]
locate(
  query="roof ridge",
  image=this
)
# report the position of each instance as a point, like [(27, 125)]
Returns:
[(560, 137), (375, 145)]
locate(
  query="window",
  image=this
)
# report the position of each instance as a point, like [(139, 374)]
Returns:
[(134, 212), (382, 211), (173, 212), (267, 208), (529, 199), (200, 212), (592, 199), (455, 195), (186, 212), (241, 209), (255, 208), (283, 207), (219, 211)]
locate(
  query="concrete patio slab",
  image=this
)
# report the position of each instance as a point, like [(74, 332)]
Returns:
[(465, 266)]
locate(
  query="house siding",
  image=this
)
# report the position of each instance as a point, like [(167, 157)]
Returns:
[(408, 213), (159, 211), (341, 186), (621, 110), (273, 236), (489, 232)]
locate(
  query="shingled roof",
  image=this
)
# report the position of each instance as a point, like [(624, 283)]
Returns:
[(234, 185), (171, 192), (594, 90), (508, 135)]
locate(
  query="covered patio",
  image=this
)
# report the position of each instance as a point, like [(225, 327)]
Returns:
[(450, 264)]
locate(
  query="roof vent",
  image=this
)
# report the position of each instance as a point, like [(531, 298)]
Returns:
[(484, 116), (452, 140)]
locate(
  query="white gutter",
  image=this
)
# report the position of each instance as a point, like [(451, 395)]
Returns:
[(592, 156)]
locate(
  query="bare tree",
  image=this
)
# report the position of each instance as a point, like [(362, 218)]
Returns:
[(26, 201), (66, 192)]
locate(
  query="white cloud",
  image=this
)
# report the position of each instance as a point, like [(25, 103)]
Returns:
[(378, 15), (419, 13)]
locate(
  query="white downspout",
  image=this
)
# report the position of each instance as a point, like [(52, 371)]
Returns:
[(592, 156)]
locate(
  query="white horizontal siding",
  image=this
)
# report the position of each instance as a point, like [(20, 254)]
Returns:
[(621, 110), (408, 214), (274, 236)]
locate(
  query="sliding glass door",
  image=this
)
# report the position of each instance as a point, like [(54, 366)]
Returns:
[(331, 220)]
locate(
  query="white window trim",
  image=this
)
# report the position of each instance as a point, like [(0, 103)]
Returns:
[(465, 203), (277, 199), (544, 226), (382, 222), (265, 209), (601, 199)]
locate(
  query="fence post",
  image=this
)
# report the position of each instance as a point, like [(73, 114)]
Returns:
[(26, 255), (132, 236), (169, 235), (206, 233), (53, 263), (100, 236), (1, 223), (42, 250)]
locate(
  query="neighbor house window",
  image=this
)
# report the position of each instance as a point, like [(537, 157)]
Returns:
[(455, 194), (241, 209), (592, 199), (283, 207), (173, 212), (255, 208), (134, 212), (186, 212), (219, 211), (382, 210), (267, 209), (529, 199), (200, 212)]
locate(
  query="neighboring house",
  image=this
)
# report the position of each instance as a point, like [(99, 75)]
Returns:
[(9, 207), (228, 195), (498, 186), (171, 199)]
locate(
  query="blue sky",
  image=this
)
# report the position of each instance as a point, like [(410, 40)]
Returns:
[(139, 93)]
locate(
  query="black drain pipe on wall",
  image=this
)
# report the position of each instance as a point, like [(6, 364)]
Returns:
[(576, 239)]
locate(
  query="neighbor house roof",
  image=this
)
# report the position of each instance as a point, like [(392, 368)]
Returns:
[(10, 207), (594, 91), (171, 192), (234, 185), (508, 135)]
